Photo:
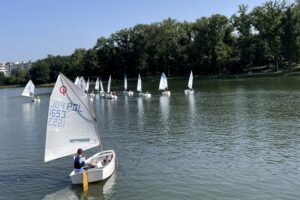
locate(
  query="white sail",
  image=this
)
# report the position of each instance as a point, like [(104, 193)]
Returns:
[(190, 84), (163, 84), (101, 86), (125, 82), (76, 80), (29, 89), (108, 85), (80, 82), (71, 121), (87, 86), (97, 84), (83, 84), (139, 84)]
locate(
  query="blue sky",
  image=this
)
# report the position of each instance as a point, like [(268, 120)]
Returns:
[(32, 29)]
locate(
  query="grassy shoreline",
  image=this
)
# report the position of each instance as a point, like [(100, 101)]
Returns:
[(211, 77)]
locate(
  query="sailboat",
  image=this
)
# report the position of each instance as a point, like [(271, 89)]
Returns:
[(163, 85), (71, 125), (97, 84), (80, 82), (129, 93), (109, 94), (190, 85), (102, 92), (139, 88), (87, 87), (29, 91)]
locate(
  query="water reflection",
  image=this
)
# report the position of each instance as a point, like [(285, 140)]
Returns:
[(164, 104), (192, 108), (140, 105), (99, 190)]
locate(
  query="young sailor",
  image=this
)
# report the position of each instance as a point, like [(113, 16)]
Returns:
[(79, 161)]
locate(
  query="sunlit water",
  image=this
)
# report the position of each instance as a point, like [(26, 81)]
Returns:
[(233, 139)]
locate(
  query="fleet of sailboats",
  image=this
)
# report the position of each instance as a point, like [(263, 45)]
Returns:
[(71, 125), (163, 86)]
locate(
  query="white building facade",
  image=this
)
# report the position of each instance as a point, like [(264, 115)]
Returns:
[(8, 67)]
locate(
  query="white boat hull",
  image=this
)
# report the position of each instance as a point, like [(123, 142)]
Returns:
[(187, 92), (147, 95), (36, 100), (102, 94), (129, 93), (166, 93), (100, 172), (111, 96)]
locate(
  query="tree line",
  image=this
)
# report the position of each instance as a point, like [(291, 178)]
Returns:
[(266, 37)]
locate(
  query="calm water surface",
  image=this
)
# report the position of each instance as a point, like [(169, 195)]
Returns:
[(234, 139)]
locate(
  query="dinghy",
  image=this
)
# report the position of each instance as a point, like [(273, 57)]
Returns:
[(29, 92), (139, 88), (163, 85), (190, 85), (71, 125), (129, 93), (110, 94), (102, 92)]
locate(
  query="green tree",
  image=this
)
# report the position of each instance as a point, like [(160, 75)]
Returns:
[(40, 72), (2, 78), (267, 21), (289, 47), (245, 39)]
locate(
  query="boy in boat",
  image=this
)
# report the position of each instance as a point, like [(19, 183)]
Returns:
[(80, 163)]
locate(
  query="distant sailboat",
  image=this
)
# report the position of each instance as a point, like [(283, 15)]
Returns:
[(139, 88), (76, 80), (129, 93), (190, 85), (71, 125), (87, 86), (163, 85), (80, 82), (109, 94), (97, 84), (29, 91), (102, 92)]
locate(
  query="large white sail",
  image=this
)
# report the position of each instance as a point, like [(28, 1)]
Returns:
[(71, 121), (87, 86), (101, 86), (97, 84), (108, 85), (29, 89), (163, 84), (125, 82), (139, 84), (190, 83)]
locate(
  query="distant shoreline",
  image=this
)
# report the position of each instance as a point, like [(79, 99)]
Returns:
[(210, 77)]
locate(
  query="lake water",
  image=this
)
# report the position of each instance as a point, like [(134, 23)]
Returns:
[(233, 139)]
